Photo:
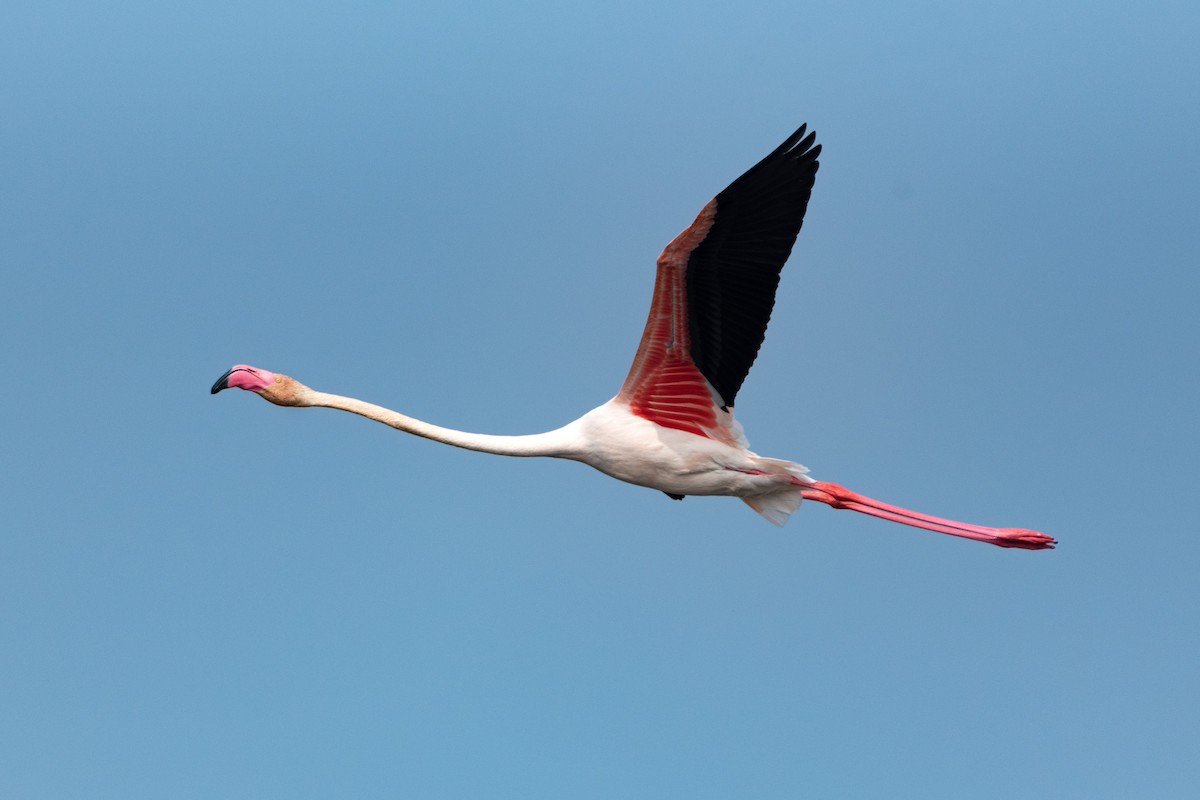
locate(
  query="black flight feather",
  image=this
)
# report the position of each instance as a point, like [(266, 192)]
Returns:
[(733, 273)]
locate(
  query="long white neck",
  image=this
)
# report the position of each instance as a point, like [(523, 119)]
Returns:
[(559, 443)]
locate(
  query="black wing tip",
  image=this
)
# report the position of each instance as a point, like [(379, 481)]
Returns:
[(801, 147), (797, 152)]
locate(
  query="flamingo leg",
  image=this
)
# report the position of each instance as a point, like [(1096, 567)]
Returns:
[(839, 496)]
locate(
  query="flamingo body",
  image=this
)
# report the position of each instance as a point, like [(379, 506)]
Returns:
[(631, 448), (671, 426)]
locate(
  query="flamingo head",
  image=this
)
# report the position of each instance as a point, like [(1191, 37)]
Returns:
[(273, 386)]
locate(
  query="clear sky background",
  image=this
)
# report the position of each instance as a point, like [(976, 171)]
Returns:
[(454, 210)]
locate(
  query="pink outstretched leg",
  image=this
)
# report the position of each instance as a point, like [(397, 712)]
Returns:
[(841, 497)]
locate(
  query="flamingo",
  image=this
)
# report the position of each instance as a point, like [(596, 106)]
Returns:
[(671, 427)]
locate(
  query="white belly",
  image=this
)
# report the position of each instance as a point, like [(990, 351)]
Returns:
[(632, 449)]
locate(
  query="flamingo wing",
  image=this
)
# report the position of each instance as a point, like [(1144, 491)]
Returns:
[(714, 291)]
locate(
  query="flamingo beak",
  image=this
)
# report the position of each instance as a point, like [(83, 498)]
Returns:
[(222, 382), (244, 376)]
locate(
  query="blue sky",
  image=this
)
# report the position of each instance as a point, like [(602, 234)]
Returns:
[(454, 211)]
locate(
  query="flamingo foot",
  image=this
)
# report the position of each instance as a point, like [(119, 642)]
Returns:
[(1025, 539)]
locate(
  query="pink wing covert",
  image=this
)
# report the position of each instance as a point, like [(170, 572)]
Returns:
[(664, 385)]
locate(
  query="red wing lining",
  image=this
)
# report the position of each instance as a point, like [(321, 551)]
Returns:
[(664, 385), (677, 396)]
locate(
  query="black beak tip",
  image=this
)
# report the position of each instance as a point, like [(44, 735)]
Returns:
[(222, 382)]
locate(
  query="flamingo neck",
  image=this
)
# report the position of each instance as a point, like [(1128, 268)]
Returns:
[(840, 497), (559, 443)]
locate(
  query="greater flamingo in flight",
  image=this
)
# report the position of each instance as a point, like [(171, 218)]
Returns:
[(671, 426)]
